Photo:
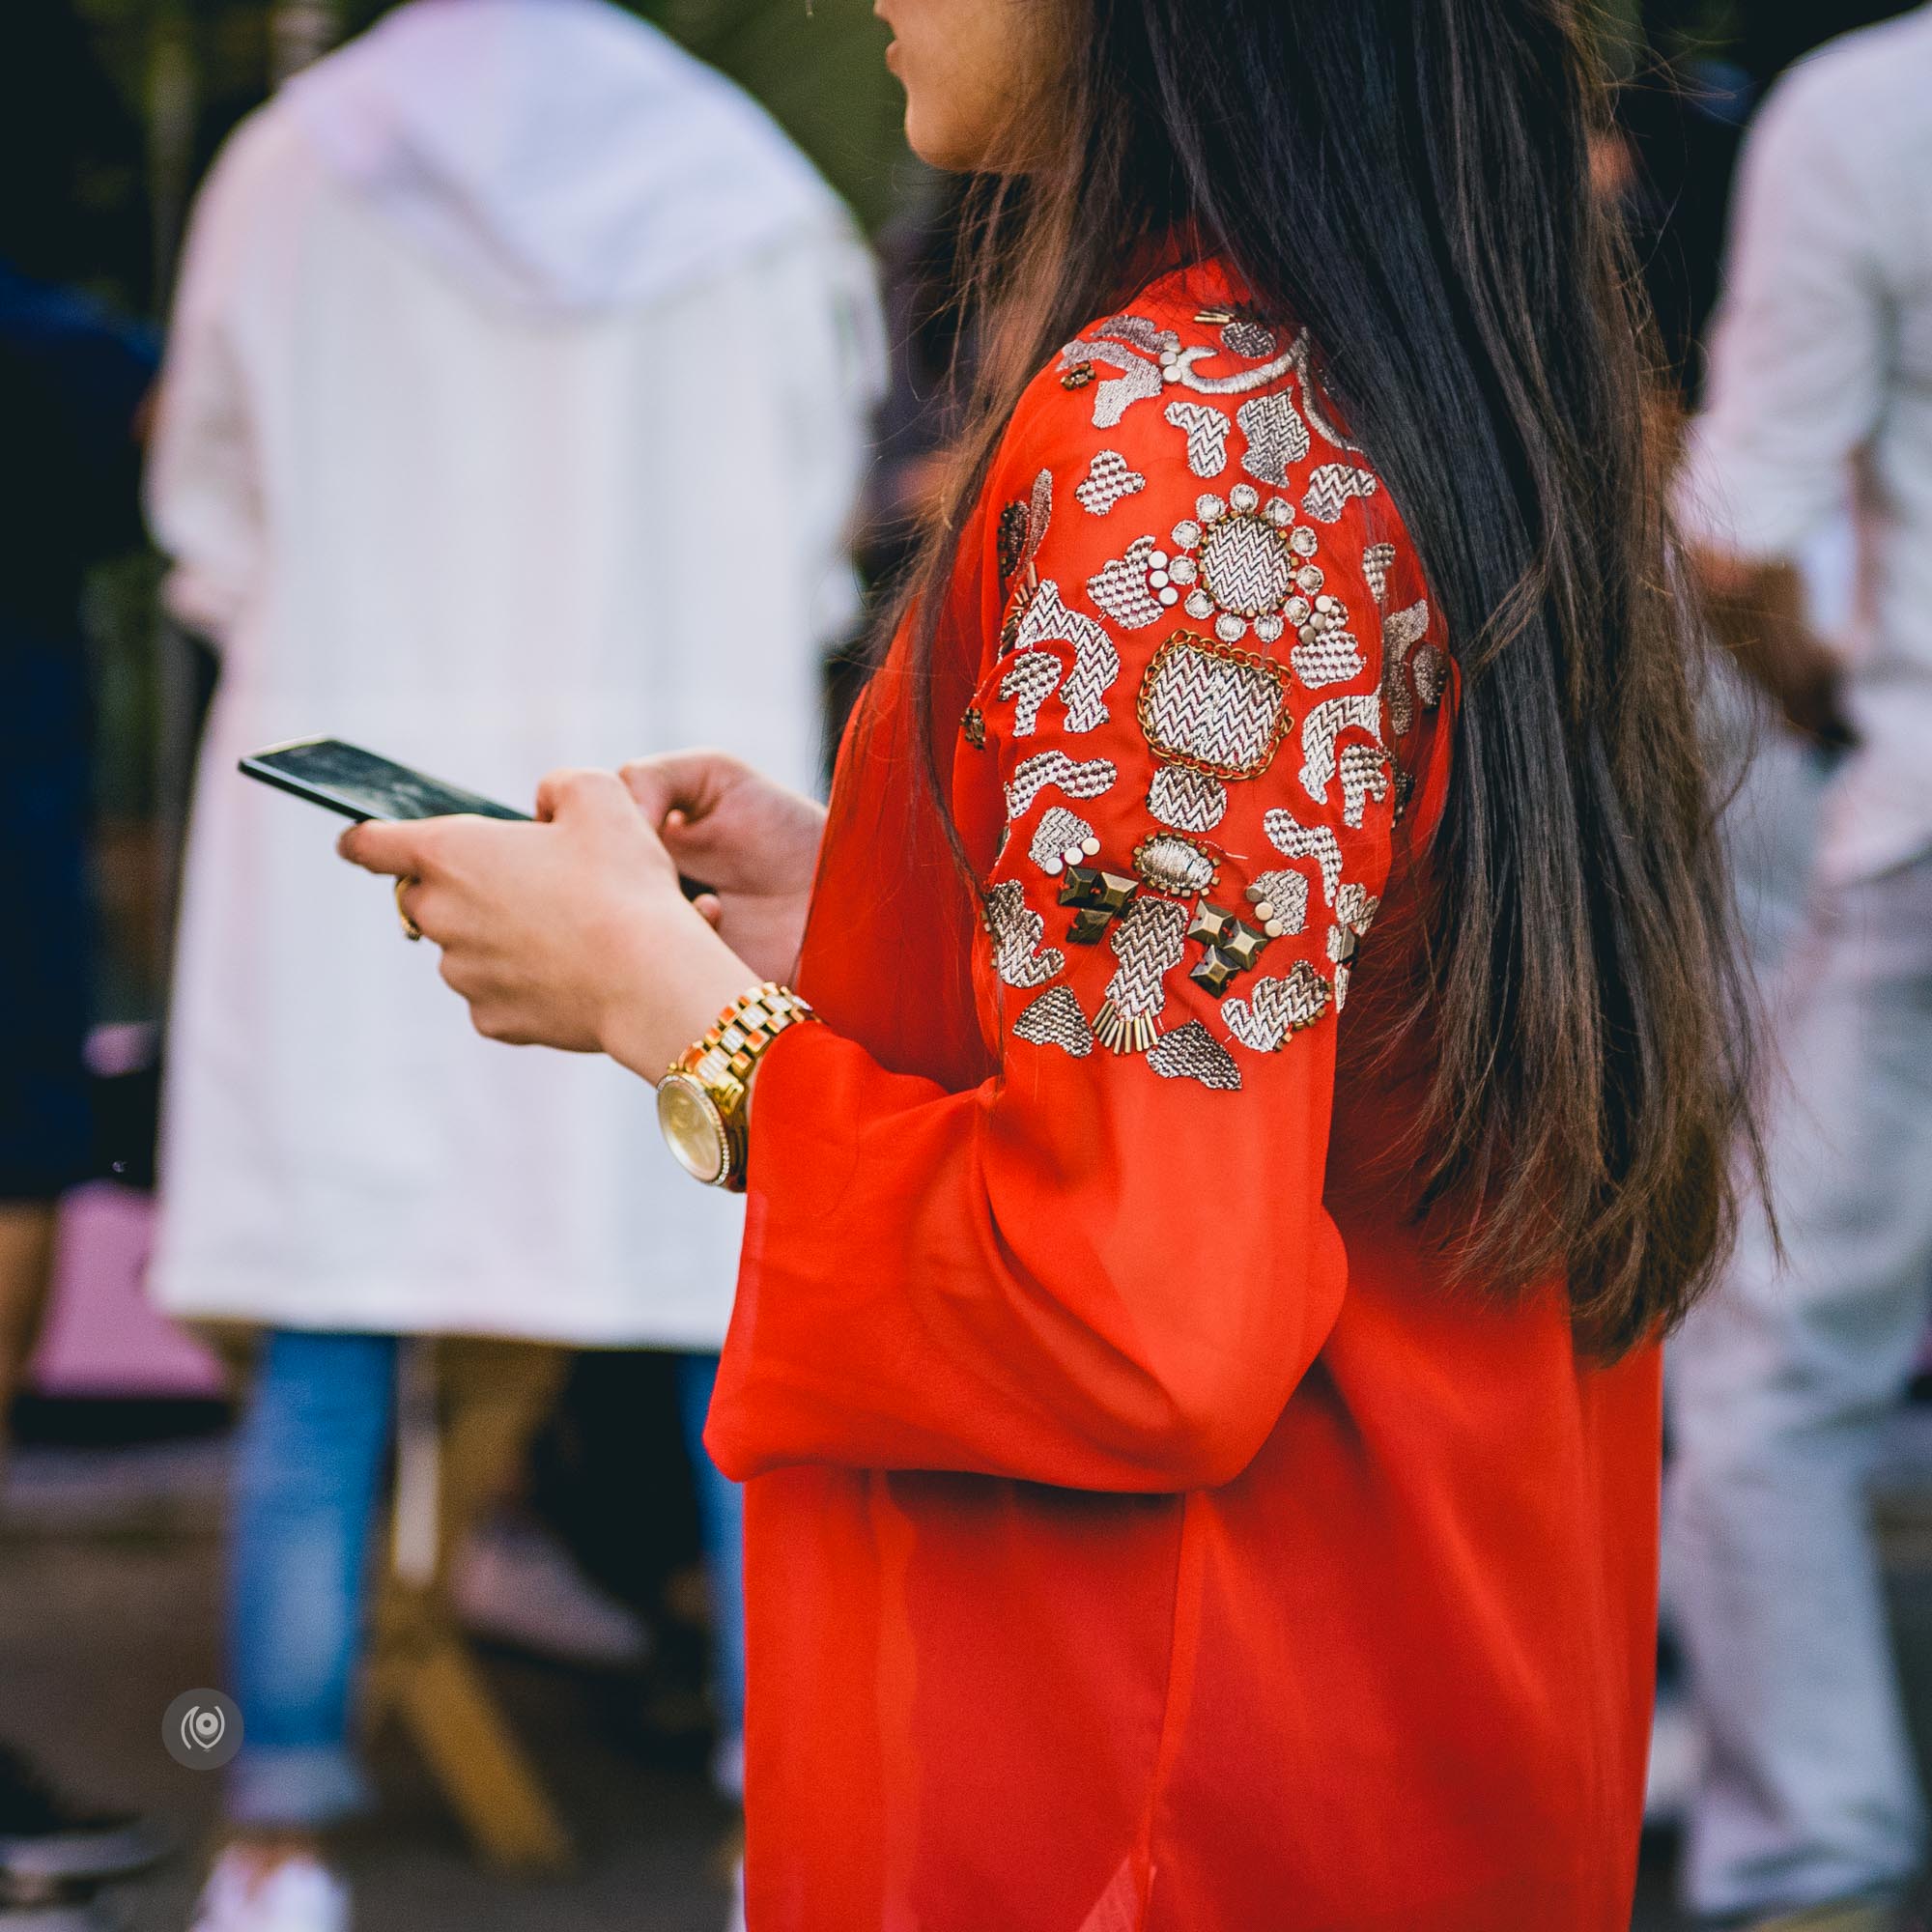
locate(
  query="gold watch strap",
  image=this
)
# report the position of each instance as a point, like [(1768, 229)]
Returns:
[(724, 1060)]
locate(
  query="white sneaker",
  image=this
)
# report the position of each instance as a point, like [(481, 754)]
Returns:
[(295, 1895)]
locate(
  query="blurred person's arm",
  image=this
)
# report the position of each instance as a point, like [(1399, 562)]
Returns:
[(1796, 387), (204, 490)]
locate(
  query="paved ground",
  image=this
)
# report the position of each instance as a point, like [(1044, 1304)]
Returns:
[(108, 1578)]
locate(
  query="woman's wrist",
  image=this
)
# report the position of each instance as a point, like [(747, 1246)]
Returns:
[(646, 1033)]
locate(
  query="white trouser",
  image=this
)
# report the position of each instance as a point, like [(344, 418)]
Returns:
[(1780, 1385)]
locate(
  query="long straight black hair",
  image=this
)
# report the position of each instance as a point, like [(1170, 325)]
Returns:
[(1411, 179)]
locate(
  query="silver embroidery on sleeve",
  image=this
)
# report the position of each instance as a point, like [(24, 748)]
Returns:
[(1330, 657), (1031, 678), (1354, 913), (1206, 431), (1055, 1019), (1031, 777), (1220, 710), (1252, 340), (1330, 488), (1121, 590), (1017, 931), (1276, 436), (1097, 663), (1295, 840), (1365, 774), (1138, 378), (1242, 382), (1060, 840), (1109, 478), (1274, 1008), (1191, 1052), (1140, 332), (1187, 800), (1360, 711), (1402, 631), (1147, 942), (1375, 561), (1280, 899), (1432, 675), (1302, 357), (1039, 514)]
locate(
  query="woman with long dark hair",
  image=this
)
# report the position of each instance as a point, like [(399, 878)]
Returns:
[(1203, 1442)]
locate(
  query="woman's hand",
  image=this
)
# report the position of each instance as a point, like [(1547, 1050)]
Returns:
[(751, 842), (571, 932)]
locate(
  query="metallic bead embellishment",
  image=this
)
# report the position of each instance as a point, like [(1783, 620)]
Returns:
[(1280, 899), (1231, 947), (1031, 777), (1375, 561), (1031, 678), (1148, 943), (1253, 340), (1169, 864), (1097, 663), (1276, 436), (1276, 1008), (1055, 1019), (1432, 675), (1219, 710), (1060, 840), (1402, 631), (1109, 478), (1330, 488), (1078, 377), (1188, 800), (1191, 1052), (1295, 840), (1324, 725), (1121, 588), (1137, 379), (1012, 538), (1206, 431), (1039, 514), (973, 727), (1017, 931), (1331, 657), (1365, 774)]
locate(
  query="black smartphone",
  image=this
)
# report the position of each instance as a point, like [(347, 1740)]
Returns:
[(360, 785)]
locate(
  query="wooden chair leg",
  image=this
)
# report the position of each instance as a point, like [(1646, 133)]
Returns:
[(492, 1398)]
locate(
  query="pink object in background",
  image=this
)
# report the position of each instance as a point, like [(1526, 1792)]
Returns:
[(104, 1337)]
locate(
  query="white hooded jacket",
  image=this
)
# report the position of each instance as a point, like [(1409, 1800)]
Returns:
[(514, 415)]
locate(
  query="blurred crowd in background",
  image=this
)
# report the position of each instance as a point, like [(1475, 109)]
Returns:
[(533, 383)]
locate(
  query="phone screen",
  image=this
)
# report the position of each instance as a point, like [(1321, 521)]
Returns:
[(360, 785)]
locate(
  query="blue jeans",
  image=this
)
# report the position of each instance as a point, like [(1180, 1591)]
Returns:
[(309, 1460)]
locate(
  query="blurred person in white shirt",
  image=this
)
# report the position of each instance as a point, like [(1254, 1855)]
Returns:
[(1808, 1812), (514, 415)]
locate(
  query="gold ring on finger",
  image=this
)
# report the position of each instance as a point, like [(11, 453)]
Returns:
[(411, 929)]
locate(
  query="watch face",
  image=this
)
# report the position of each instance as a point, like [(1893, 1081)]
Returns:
[(692, 1126)]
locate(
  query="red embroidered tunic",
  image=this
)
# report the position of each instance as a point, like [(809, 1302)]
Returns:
[(1141, 1536)]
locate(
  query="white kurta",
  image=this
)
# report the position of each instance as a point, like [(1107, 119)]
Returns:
[(487, 542)]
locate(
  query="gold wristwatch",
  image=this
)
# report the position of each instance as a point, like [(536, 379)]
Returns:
[(701, 1099)]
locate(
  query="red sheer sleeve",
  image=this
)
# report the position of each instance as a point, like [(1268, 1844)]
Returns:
[(1108, 1267)]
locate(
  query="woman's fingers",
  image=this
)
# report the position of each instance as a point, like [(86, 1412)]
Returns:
[(401, 850), (686, 782)]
